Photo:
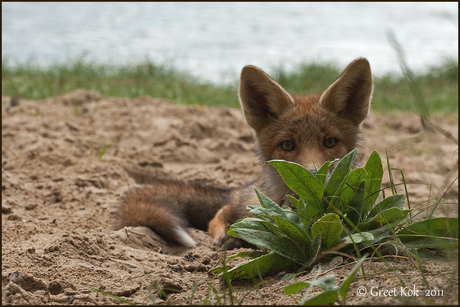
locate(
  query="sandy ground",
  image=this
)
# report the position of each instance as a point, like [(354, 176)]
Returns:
[(58, 198)]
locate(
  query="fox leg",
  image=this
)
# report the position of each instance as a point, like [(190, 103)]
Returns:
[(220, 224)]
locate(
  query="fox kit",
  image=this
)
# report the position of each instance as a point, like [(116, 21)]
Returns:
[(305, 129)]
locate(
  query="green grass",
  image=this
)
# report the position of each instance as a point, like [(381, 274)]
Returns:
[(33, 82), (391, 93)]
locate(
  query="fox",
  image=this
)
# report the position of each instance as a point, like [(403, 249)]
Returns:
[(305, 129)]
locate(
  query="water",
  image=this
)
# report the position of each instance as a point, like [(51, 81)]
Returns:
[(215, 40)]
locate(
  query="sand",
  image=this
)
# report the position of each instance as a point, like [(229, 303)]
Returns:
[(67, 160)]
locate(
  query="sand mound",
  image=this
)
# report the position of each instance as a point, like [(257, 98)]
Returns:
[(67, 160)]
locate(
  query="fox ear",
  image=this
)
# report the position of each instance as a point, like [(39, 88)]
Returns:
[(350, 95), (261, 98)]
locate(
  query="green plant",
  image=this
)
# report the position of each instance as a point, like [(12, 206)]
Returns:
[(331, 294), (120, 299), (335, 210), (103, 150)]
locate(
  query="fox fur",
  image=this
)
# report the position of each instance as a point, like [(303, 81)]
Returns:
[(305, 129)]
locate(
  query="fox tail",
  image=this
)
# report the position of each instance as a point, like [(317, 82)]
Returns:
[(168, 207)]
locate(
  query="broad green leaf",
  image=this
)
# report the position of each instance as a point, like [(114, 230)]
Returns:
[(393, 201), (296, 287), (351, 186), (318, 299), (354, 209), (261, 213), (293, 232), (338, 178), (326, 283), (356, 237), (254, 224), (315, 249), (241, 254), (271, 227), (434, 232), (383, 217), (248, 223), (310, 213), (298, 204), (373, 179), (269, 204), (325, 298), (294, 201), (300, 180), (382, 232), (321, 174), (441, 226), (346, 284), (430, 242), (280, 245), (220, 269), (253, 254), (293, 216), (330, 228), (268, 263)]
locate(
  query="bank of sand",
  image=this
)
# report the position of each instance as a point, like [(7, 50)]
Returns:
[(57, 197)]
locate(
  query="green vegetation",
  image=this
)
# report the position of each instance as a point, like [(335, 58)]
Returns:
[(337, 212), (439, 86), (331, 294), (33, 82)]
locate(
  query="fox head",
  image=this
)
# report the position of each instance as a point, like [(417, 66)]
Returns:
[(306, 129)]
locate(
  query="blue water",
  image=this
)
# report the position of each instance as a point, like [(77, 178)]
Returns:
[(215, 40)]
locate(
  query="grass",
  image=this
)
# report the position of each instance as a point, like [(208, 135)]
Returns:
[(392, 93), (28, 80)]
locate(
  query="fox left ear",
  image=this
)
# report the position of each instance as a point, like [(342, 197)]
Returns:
[(261, 98), (350, 95)]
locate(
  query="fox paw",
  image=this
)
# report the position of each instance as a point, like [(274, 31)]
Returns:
[(232, 243)]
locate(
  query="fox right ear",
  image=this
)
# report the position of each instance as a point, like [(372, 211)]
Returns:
[(261, 98), (350, 95)]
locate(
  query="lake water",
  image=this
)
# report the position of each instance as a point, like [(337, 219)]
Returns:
[(215, 40)]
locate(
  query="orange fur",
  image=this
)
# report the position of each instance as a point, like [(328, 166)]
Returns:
[(306, 129)]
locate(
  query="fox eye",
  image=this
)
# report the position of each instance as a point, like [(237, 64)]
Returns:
[(287, 145), (330, 142)]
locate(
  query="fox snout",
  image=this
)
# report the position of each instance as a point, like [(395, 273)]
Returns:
[(313, 162)]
